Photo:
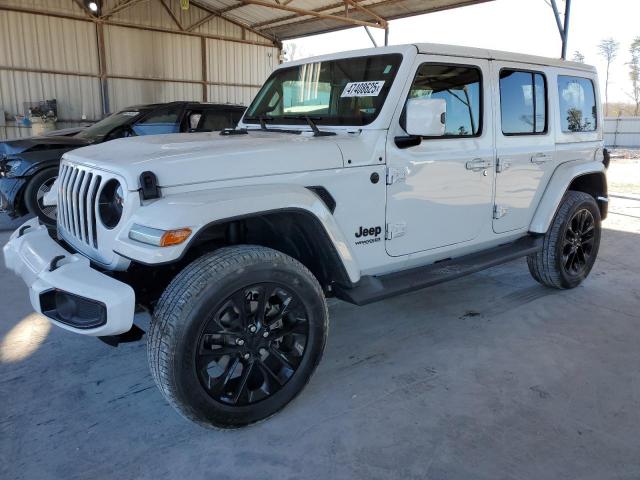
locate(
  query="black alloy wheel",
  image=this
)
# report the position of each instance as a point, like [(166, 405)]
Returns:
[(252, 344), (237, 335), (570, 246), (578, 242)]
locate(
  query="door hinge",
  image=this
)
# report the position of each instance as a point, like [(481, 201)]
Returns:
[(395, 175), (499, 211), (395, 230), (502, 165)]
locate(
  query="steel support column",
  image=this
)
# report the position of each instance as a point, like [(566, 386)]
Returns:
[(102, 69), (563, 27)]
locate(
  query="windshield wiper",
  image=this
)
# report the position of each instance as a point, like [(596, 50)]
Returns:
[(311, 121), (262, 119)]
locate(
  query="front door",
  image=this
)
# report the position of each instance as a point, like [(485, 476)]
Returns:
[(440, 190), (524, 145)]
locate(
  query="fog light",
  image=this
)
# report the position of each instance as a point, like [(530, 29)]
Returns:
[(73, 310)]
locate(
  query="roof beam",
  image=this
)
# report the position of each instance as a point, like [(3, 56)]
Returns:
[(115, 23), (125, 4), (270, 23), (312, 13), (175, 19), (230, 20), (202, 21), (357, 6), (293, 17)]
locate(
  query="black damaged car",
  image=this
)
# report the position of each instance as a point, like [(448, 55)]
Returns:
[(29, 166)]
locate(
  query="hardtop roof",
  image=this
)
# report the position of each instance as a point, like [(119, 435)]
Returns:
[(450, 50)]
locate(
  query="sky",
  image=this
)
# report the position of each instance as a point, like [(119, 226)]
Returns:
[(524, 26)]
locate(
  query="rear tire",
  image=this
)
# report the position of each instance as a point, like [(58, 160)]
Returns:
[(236, 335), (34, 193), (570, 245)]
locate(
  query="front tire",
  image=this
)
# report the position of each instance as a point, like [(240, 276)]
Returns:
[(236, 335), (570, 245), (34, 193)]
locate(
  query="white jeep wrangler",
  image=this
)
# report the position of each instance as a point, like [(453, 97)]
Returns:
[(359, 175)]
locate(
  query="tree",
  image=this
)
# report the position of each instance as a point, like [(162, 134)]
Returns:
[(608, 48), (578, 57), (634, 73)]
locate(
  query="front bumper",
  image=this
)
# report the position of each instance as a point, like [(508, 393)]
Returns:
[(54, 276), (9, 195)]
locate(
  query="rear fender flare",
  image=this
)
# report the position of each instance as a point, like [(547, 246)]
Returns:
[(560, 181)]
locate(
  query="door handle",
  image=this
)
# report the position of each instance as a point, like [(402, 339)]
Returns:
[(478, 164), (541, 158)]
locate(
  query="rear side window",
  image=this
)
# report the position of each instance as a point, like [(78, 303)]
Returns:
[(461, 87), (578, 111), (523, 102), (162, 120)]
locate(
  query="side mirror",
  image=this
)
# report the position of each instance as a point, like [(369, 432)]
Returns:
[(425, 117)]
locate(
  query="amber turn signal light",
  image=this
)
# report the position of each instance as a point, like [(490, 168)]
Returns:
[(174, 237)]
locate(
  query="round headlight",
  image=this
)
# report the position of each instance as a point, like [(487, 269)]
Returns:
[(110, 203)]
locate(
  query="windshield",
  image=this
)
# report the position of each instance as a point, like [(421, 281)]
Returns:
[(106, 125), (349, 91)]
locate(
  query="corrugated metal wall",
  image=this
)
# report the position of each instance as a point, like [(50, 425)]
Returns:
[(37, 53), (52, 44), (622, 132)]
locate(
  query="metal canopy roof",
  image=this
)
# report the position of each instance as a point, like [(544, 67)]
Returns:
[(285, 19)]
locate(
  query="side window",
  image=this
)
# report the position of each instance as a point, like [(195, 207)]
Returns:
[(162, 120), (578, 111), (215, 120), (461, 88), (193, 120), (523, 102)]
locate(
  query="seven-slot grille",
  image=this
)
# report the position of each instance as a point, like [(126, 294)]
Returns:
[(77, 195)]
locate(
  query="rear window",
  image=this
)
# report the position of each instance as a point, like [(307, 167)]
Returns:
[(523, 102), (578, 112)]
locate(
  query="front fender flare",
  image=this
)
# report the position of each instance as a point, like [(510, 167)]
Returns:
[(556, 188), (200, 209)]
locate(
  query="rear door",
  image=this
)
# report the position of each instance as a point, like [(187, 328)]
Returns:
[(525, 144)]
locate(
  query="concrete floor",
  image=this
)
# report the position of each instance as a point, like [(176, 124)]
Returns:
[(488, 377)]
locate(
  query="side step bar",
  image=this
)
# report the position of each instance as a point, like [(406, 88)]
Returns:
[(373, 288)]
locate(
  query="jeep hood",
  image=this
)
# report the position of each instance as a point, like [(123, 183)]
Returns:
[(179, 159)]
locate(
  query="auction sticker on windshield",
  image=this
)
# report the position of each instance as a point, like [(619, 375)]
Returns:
[(362, 89)]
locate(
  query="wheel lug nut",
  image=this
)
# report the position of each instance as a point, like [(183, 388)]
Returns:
[(240, 342), (265, 334), (246, 356), (252, 329)]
